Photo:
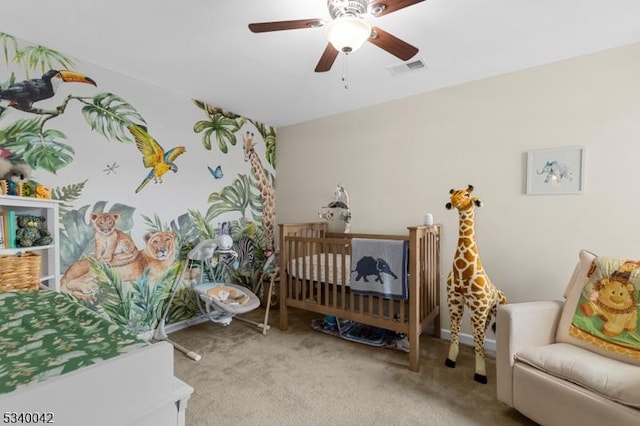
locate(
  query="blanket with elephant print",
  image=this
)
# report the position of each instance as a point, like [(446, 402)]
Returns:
[(44, 334), (379, 267)]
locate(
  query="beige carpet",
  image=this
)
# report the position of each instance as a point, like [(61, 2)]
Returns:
[(304, 377)]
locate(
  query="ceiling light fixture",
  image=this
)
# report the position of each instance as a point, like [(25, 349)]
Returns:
[(347, 33)]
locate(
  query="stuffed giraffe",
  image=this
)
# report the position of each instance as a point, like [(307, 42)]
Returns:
[(469, 284)]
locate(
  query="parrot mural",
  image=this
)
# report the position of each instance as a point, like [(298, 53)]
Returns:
[(154, 156)]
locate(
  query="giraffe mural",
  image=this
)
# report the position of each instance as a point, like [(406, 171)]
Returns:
[(266, 189), (469, 284)]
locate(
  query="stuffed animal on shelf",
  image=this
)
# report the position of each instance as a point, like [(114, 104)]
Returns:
[(32, 231), (14, 175), (42, 191)]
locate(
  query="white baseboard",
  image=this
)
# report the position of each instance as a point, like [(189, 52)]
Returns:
[(186, 323), (467, 339)]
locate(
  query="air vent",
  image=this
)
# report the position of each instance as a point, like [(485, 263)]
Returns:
[(406, 67)]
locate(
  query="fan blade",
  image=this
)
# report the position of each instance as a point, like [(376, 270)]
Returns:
[(327, 59), (385, 7), (264, 27), (392, 44)]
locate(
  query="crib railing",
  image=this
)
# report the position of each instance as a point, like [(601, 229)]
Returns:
[(315, 268), (312, 286), (425, 243)]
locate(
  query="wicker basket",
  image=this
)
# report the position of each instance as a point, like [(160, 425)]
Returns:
[(20, 272)]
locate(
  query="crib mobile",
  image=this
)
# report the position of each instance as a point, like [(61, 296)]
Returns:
[(220, 302), (337, 213)]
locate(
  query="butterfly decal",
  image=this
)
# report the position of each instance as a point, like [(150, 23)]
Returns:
[(216, 173)]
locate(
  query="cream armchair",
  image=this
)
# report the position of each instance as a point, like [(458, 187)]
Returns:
[(556, 383)]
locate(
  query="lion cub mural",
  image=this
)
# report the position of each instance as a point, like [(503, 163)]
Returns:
[(112, 246), (117, 249)]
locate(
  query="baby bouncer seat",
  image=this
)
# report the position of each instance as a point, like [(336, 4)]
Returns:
[(219, 301), (222, 301)]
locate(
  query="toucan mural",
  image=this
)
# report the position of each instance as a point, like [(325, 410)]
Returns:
[(140, 181), (24, 94)]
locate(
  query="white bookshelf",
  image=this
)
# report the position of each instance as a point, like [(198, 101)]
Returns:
[(50, 268)]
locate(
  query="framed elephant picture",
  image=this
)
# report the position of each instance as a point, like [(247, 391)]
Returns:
[(555, 171)]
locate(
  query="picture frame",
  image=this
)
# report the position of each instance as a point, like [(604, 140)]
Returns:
[(555, 171)]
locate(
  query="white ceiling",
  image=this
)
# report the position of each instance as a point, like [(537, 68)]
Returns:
[(203, 49)]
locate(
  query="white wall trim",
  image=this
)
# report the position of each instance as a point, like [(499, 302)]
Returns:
[(467, 339), (186, 323)]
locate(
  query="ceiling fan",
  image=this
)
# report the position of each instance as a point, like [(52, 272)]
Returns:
[(347, 30)]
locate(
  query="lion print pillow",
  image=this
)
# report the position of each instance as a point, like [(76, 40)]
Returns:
[(601, 311)]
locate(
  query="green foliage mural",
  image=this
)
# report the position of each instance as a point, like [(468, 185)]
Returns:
[(242, 207), (26, 139), (239, 196), (223, 125)]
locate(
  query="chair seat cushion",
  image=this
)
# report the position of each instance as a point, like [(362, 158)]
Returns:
[(610, 378)]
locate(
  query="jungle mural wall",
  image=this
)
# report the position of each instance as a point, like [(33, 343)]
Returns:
[(142, 175)]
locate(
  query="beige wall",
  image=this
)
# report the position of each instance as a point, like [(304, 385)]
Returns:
[(399, 159)]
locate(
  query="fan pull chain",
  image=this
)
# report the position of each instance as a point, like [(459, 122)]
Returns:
[(345, 71)]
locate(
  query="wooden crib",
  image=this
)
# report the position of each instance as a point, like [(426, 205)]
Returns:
[(314, 265)]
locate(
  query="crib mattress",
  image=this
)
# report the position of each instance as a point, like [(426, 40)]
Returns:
[(45, 334), (321, 268)]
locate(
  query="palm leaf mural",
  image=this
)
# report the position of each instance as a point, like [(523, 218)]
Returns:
[(66, 194), (220, 124), (249, 279), (211, 110), (110, 115), (203, 225), (137, 306), (155, 224), (112, 299), (45, 151), (39, 150), (184, 305), (20, 128), (236, 197), (9, 43), (186, 234), (12, 131), (40, 57), (107, 113), (149, 300), (9, 82), (76, 236), (33, 57), (268, 133)]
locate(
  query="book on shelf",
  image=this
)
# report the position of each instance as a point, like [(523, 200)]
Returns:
[(9, 230), (3, 237)]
